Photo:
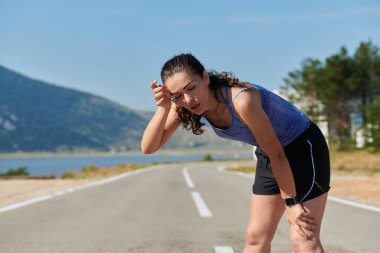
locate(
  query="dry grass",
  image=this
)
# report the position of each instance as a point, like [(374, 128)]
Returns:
[(17, 190), (246, 168), (93, 172), (357, 161), (362, 188), (354, 176)]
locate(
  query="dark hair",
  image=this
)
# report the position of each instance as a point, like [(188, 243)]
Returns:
[(191, 65)]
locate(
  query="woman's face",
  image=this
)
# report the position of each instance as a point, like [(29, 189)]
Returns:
[(190, 91)]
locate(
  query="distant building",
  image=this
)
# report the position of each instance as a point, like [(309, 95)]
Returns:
[(322, 123), (356, 119)]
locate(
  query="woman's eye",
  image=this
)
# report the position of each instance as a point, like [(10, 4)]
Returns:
[(176, 97), (191, 88)]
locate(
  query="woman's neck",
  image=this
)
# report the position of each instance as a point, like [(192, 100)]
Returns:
[(217, 110), (213, 105)]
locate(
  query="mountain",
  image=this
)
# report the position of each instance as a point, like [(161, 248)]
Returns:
[(38, 116)]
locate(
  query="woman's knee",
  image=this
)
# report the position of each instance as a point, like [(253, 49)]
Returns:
[(261, 237)]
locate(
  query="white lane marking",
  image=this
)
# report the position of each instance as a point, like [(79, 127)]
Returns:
[(188, 180), (25, 203), (351, 203), (223, 249), (330, 198), (60, 193), (201, 205)]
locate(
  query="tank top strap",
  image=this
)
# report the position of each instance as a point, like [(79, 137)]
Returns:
[(228, 102), (230, 105), (239, 91)]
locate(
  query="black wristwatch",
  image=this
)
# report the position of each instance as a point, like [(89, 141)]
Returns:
[(291, 201)]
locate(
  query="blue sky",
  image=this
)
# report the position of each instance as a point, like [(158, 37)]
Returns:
[(114, 48)]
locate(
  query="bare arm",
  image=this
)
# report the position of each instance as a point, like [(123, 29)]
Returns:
[(248, 107), (163, 123)]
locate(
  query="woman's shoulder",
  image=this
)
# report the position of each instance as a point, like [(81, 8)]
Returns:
[(244, 97), (241, 93)]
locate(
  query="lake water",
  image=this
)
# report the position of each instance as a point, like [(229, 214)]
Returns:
[(57, 165)]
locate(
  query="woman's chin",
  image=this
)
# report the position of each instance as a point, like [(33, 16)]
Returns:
[(197, 110)]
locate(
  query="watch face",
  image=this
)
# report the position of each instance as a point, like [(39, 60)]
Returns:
[(290, 201)]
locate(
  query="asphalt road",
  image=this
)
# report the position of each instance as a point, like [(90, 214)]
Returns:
[(172, 208)]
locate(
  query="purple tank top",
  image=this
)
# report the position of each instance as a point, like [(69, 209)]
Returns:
[(287, 120)]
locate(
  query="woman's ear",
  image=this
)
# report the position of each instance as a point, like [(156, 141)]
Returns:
[(206, 77)]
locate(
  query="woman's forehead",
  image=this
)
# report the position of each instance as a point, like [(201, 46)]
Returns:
[(179, 81)]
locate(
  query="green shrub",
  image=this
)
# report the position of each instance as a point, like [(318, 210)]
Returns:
[(208, 158), (20, 171), (90, 170), (69, 175)]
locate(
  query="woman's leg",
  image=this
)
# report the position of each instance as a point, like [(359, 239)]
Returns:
[(265, 214), (316, 207)]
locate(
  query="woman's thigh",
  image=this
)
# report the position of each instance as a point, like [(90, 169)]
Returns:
[(265, 214), (316, 207)]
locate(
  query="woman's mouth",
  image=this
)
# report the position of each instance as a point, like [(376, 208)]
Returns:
[(194, 107)]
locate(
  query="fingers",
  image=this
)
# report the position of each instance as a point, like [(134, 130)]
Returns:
[(306, 216), (302, 219), (300, 231), (302, 222), (305, 225), (158, 88), (160, 101), (153, 84), (161, 93), (307, 220)]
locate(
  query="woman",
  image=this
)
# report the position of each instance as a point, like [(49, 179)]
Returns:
[(293, 168)]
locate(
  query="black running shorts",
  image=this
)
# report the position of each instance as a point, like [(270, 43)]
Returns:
[(309, 159)]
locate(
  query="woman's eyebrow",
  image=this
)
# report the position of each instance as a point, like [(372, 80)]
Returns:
[(183, 87)]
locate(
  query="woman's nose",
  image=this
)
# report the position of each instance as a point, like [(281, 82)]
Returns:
[(188, 98)]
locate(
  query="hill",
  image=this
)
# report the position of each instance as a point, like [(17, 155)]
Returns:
[(38, 116)]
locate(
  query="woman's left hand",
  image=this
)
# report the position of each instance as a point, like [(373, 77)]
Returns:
[(301, 219)]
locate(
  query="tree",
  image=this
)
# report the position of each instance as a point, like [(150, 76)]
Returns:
[(373, 128), (341, 87), (367, 76), (305, 82)]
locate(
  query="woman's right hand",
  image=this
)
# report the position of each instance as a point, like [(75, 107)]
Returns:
[(301, 219), (161, 95)]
